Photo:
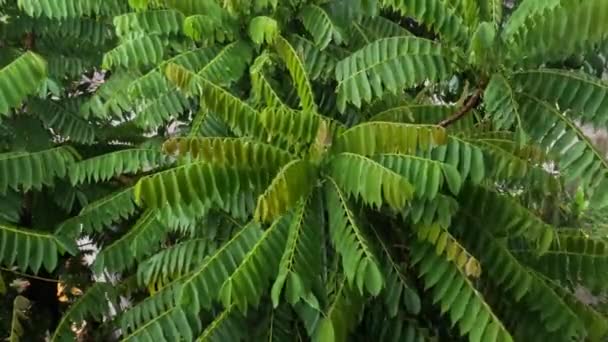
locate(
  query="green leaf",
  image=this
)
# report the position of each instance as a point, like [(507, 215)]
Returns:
[(294, 181), (500, 103), (246, 285), (325, 331), (535, 41), (505, 216), (203, 285), (381, 185), (199, 182), (320, 25), (242, 152), (578, 158), (21, 305), (142, 240), (19, 79), (93, 303), (62, 9), (358, 260), (373, 28), (263, 29), (463, 302), (138, 52), (25, 171), (583, 94), (103, 167), (101, 213), (225, 327), (151, 22), (492, 11), (388, 137), (439, 15), (298, 73), (299, 265), (427, 176), (391, 64), (30, 249)]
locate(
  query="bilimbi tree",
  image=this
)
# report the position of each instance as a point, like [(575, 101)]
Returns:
[(286, 170)]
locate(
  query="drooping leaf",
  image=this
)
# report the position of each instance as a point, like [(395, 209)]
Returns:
[(20, 79), (358, 260), (25, 171), (30, 249), (440, 15), (294, 181), (457, 295)]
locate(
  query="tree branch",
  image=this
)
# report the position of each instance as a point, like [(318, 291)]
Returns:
[(29, 41), (25, 275), (468, 105)]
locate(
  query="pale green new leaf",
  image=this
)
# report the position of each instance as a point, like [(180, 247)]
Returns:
[(263, 29), (242, 152), (389, 137), (293, 182)]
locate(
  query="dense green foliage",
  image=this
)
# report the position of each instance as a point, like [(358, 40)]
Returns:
[(286, 170)]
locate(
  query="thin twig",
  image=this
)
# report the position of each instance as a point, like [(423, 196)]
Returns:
[(468, 105), (29, 276), (86, 244), (29, 41)]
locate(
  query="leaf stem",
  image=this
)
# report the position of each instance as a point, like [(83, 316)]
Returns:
[(468, 105)]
